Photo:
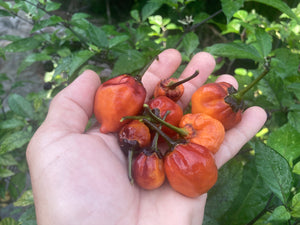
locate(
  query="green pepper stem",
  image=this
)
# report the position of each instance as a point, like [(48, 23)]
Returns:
[(174, 85), (161, 133), (178, 130), (155, 139), (134, 118), (130, 157), (239, 95)]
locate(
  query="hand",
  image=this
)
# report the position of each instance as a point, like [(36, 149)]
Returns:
[(80, 177)]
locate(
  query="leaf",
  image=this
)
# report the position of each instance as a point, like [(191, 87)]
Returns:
[(32, 58), (117, 40), (286, 141), (190, 43), (51, 6), (53, 20), (280, 214), (295, 88), (7, 160), (11, 124), (221, 196), (8, 221), (296, 168), (280, 5), (79, 16), (78, 59), (4, 13), (263, 42), (274, 170), (135, 15), (14, 141), (22, 45), (97, 36), (19, 105), (5, 173), (251, 199), (129, 62), (149, 8), (285, 63), (295, 207), (26, 199), (230, 7), (235, 50)]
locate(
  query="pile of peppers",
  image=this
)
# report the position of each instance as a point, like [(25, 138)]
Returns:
[(162, 142)]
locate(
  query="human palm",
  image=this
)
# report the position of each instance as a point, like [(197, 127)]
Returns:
[(80, 177)]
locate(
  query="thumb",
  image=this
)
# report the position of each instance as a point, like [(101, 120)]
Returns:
[(71, 108)]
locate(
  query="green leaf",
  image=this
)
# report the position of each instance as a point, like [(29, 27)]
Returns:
[(14, 141), (53, 20), (11, 124), (285, 63), (19, 105), (22, 45), (135, 15), (294, 118), (32, 58), (235, 50), (4, 13), (117, 40), (52, 6), (127, 63), (286, 141), (190, 43), (274, 170), (7, 160), (295, 88), (280, 5), (26, 199), (230, 7), (280, 214), (79, 16), (149, 8), (9, 221), (78, 59), (5, 173), (263, 42), (296, 168), (295, 207), (97, 36), (251, 199), (221, 196)]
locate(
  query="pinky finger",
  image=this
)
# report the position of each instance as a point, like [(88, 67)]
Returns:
[(252, 121)]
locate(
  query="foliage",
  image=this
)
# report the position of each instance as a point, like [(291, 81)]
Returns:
[(261, 184)]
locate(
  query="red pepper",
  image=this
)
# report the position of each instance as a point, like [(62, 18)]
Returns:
[(216, 100), (148, 170), (164, 104), (116, 98), (190, 169)]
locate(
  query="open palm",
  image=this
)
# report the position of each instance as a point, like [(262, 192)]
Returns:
[(80, 177)]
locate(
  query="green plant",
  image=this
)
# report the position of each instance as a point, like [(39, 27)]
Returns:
[(261, 184)]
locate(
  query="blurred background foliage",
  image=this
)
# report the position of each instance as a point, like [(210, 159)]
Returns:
[(260, 185)]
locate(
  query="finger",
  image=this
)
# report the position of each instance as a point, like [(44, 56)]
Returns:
[(252, 121), (205, 64), (73, 106), (229, 79), (167, 63)]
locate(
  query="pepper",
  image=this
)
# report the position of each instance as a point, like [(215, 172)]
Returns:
[(190, 169), (203, 130), (172, 87), (148, 170), (217, 101), (116, 98), (163, 104)]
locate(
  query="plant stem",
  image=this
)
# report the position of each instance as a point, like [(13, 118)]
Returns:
[(239, 95), (174, 85), (180, 131), (155, 139), (130, 156)]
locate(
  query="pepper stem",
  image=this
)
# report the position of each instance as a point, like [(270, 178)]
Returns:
[(129, 158), (239, 95), (180, 131), (174, 85), (155, 139), (161, 133)]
